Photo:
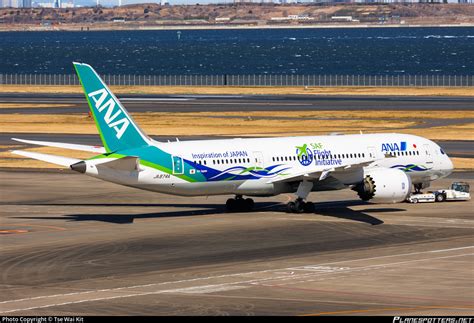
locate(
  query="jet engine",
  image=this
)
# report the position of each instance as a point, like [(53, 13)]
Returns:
[(384, 185)]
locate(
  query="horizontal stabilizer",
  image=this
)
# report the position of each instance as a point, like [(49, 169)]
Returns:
[(92, 149), (53, 159)]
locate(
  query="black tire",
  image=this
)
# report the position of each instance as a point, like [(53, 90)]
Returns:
[(249, 204), (231, 205), (414, 201), (299, 206), (291, 207), (440, 197), (308, 207)]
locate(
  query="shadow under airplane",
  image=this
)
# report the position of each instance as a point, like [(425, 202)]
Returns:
[(337, 209)]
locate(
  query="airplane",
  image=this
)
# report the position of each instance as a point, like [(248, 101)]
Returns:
[(380, 168)]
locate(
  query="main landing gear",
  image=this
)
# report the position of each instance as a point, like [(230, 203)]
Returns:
[(299, 205), (239, 204)]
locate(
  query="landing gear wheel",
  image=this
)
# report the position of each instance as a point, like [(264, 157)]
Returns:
[(291, 207), (239, 204), (249, 203), (230, 205), (299, 206), (309, 207)]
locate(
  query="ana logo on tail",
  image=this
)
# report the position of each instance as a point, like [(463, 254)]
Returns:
[(111, 113)]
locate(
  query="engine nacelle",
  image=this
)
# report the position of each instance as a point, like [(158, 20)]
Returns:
[(384, 185)]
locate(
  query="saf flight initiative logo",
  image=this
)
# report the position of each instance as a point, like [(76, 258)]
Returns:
[(305, 155)]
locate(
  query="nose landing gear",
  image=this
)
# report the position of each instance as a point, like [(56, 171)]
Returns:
[(239, 204)]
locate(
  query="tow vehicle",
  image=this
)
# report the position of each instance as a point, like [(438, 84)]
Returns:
[(459, 191)]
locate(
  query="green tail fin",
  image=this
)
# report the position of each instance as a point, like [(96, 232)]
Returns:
[(117, 129)]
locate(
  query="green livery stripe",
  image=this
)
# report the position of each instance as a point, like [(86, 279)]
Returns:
[(167, 170), (148, 164)]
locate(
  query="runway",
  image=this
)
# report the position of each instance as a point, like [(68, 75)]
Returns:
[(221, 103), (76, 245)]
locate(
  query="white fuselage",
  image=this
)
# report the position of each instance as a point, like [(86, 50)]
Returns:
[(264, 159)]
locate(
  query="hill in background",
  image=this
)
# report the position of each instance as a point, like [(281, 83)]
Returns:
[(130, 16)]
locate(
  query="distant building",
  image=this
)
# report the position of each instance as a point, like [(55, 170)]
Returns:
[(341, 18), (15, 3), (45, 4), (258, 1)]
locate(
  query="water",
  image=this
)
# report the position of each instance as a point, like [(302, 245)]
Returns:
[(372, 51)]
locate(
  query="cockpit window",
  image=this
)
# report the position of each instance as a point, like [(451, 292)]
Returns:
[(442, 152)]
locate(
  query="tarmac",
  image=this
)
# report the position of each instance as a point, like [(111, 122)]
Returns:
[(75, 245)]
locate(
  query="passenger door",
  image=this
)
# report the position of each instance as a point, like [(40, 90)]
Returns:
[(428, 154), (371, 151), (177, 165), (258, 160)]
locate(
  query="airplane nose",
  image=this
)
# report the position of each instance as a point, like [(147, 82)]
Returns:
[(449, 165)]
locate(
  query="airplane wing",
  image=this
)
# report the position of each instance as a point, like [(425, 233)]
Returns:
[(93, 149), (53, 159), (320, 173)]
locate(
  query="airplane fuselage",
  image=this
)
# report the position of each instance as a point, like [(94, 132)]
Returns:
[(253, 166)]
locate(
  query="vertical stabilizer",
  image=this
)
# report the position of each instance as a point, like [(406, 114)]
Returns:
[(116, 127)]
